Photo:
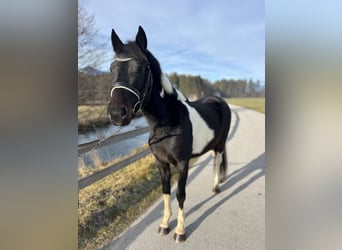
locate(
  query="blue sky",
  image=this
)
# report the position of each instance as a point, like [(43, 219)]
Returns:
[(215, 39)]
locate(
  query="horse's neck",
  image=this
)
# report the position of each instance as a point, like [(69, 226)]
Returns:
[(156, 112)]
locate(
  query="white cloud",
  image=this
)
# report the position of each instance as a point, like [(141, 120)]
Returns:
[(214, 39)]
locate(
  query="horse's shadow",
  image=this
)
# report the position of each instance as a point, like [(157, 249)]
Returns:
[(156, 213), (239, 174)]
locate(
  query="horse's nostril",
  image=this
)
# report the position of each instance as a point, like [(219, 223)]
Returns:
[(123, 111)]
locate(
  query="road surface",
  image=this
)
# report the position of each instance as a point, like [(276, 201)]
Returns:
[(232, 219)]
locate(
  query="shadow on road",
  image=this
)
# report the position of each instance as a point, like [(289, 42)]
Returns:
[(236, 176), (236, 125), (156, 214)]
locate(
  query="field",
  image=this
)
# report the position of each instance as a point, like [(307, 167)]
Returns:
[(90, 117), (257, 104), (89, 113)]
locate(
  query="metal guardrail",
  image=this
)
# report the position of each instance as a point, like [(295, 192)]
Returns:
[(83, 148), (86, 181)]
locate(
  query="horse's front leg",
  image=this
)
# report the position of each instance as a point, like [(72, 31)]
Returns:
[(183, 167), (165, 174)]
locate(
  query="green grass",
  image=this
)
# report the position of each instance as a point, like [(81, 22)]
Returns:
[(257, 104)]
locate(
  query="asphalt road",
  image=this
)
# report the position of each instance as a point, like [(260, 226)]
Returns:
[(232, 219)]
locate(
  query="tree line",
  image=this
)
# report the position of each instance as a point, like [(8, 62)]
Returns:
[(94, 87)]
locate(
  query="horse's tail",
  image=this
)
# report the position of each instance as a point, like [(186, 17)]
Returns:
[(224, 166)]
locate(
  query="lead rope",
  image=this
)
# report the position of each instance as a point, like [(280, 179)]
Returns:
[(102, 139), (105, 137)]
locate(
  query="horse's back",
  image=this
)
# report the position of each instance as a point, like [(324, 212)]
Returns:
[(214, 110)]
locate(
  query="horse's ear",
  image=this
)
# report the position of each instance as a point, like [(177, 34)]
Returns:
[(116, 42), (141, 39)]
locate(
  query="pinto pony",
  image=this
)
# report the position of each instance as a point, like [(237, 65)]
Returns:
[(179, 129)]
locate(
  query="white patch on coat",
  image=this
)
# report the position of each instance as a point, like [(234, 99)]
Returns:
[(168, 88), (180, 96), (162, 93), (166, 84), (201, 133)]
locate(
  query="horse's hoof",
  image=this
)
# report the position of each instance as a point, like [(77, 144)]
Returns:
[(163, 231), (216, 190), (223, 179), (179, 237)]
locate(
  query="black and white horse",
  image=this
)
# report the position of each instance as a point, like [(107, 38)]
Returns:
[(179, 129)]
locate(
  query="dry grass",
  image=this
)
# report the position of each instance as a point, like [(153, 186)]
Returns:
[(90, 117), (84, 170), (90, 113), (257, 104), (109, 206)]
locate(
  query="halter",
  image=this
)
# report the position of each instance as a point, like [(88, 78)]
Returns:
[(141, 97)]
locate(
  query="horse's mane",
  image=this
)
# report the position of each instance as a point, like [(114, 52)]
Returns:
[(160, 78), (155, 68), (161, 83)]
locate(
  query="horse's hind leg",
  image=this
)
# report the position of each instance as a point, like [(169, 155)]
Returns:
[(220, 165), (217, 163), (165, 174)]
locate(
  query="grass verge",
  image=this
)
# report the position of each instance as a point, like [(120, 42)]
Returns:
[(257, 104), (107, 207)]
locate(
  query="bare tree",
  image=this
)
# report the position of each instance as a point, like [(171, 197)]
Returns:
[(91, 50)]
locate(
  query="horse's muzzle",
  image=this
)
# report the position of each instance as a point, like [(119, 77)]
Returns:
[(119, 116)]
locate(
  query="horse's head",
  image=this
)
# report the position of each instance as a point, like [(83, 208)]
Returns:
[(132, 80)]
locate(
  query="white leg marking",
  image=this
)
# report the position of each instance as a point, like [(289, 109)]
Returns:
[(167, 211), (180, 222), (218, 161), (201, 133)]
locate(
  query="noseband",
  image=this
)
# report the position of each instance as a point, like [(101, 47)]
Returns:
[(141, 96), (127, 87)]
